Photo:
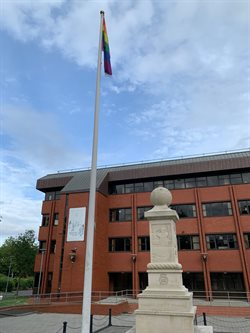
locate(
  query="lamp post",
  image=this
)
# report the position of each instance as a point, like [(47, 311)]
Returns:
[(40, 273)]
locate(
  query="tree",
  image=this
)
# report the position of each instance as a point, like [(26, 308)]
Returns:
[(20, 253)]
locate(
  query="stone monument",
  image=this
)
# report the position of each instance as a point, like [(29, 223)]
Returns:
[(165, 306)]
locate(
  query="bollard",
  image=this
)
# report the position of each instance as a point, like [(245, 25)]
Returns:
[(65, 327), (204, 319), (110, 316), (91, 324)]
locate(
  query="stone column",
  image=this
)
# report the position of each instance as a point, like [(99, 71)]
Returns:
[(165, 306)]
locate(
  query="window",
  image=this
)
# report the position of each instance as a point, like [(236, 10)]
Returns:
[(188, 242), (42, 246), (201, 181), (141, 211), (224, 180), (190, 182), (217, 209), (185, 210), (139, 187), (158, 183), (56, 219), (235, 178), (169, 184), (246, 177), (144, 243), (204, 180), (221, 242), (179, 183), (129, 188), (247, 240), (212, 181), (53, 246), (45, 220), (52, 195), (244, 207), (120, 214), (227, 282), (120, 244)]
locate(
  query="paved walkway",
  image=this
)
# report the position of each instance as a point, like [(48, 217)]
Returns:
[(53, 323)]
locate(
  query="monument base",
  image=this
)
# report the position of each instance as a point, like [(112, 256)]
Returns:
[(197, 329)]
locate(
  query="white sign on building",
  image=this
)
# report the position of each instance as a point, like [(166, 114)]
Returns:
[(76, 224)]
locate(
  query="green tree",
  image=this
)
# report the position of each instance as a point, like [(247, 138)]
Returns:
[(20, 252)]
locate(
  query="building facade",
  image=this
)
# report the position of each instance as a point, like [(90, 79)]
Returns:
[(211, 195)]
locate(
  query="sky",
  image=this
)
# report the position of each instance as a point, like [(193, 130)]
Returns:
[(180, 87)]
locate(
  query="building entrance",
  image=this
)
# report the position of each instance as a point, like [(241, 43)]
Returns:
[(120, 281)]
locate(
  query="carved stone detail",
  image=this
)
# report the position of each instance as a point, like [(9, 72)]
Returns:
[(156, 266)]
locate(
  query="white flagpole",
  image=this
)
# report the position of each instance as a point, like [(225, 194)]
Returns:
[(86, 306)]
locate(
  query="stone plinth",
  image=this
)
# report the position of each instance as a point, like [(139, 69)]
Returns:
[(165, 306)]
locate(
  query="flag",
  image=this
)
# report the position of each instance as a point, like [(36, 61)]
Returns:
[(105, 47)]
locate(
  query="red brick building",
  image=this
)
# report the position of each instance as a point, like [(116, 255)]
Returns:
[(211, 195)]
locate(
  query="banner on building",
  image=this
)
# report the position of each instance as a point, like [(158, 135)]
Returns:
[(76, 224)]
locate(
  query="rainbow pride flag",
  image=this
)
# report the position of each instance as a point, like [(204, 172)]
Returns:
[(105, 47)]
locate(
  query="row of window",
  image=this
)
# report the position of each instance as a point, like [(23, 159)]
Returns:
[(180, 183), (189, 210), (209, 210), (184, 242), (46, 217)]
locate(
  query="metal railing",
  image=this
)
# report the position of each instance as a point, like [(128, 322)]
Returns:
[(218, 298)]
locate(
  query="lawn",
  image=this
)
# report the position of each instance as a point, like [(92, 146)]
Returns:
[(13, 300)]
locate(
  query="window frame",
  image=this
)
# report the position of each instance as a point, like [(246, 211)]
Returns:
[(112, 245), (218, 247), (192, 242), (126, 214), (207, 211)]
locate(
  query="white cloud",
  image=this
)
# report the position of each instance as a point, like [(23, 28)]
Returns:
[(193, 56)]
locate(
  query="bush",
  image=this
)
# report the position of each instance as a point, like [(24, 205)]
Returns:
[(3, 283), (24, 283)]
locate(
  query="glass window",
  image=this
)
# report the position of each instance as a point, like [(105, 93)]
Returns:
[(247, 240), (212, 181), (45, 220), (158, 183), (56, 219), (169, 184), (185, 210), (236, 178), (144, 243), (244, 207), (227, 281), (188, 242), (57, 195), (179, 183), (120, 244), (119, 189), (141, 211), (217, 209), (139, 187), (120, 214), (49, 196), (223, 180), (148, 186), (53, 246), (246, 177), (42, 246), (201, 181), (190, 182), (221, 242), (129, 188)]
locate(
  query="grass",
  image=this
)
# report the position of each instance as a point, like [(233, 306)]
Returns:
[(13, 301)]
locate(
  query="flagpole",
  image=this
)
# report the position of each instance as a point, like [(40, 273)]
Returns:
[(86, 306)]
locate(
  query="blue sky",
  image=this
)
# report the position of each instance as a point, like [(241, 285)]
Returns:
[(180, 86)]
